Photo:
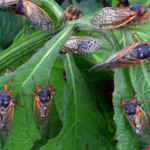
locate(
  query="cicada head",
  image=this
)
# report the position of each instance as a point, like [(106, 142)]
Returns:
[(139, 9), (129, 107)]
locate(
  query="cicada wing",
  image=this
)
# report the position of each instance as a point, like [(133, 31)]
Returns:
[(82, 45), (6, 121), (113, 61), (110, 18), (41, 116), (38, 17), (7, 3)]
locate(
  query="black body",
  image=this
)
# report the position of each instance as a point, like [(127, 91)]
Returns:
[(137, 9), (140, 52), (64, 75), (4, 99), (44, 96), (130, 108)]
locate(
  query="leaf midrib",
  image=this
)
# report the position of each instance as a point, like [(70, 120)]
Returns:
[(74, 93)]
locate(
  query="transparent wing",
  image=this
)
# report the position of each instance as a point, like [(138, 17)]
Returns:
[(110, 18), (41, 117), (6, 3), (38, 17), (82, 45), (7, 121), (113, 61)]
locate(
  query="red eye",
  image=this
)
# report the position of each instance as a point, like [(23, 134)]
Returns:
[(50, 89), (38, 89), (148, 43), (145, 5), (71, 6), (122, 1), (133, 101), (80, 10), (142, 10), (122, 103)]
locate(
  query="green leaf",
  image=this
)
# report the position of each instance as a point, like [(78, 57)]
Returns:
[(9, 28), (23, 129), (84, 127)]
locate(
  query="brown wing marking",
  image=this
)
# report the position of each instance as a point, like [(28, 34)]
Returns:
[(123, 21), (67, 49), (40, 116), (7, 121), (110, 18), (8, 118)]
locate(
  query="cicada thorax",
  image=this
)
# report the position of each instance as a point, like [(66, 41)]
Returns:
[(36, 16), (140, 13), (72, 13), (141, 51), (81, 45), (42, 108)]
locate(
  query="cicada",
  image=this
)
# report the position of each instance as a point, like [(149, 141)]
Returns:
[(123, 3), (72, 13), (110, 18), (81, 45), (64, 75), (130, 55), (6, 112), (36, 16), (42, 107), (137, 119)]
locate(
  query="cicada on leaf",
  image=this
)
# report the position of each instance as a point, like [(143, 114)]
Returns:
[(137, 119), (42, 107), (111, 18), (81, 45), (36, 16), (128, 56), (6, 113)]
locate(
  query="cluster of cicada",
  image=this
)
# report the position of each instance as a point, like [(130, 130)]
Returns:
[(106, 19), (41, 109), (78, 45), (111, 18)]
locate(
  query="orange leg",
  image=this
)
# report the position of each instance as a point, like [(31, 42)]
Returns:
[(145, 16)]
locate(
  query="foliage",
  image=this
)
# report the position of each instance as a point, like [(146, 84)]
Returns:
[(82, 111)]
